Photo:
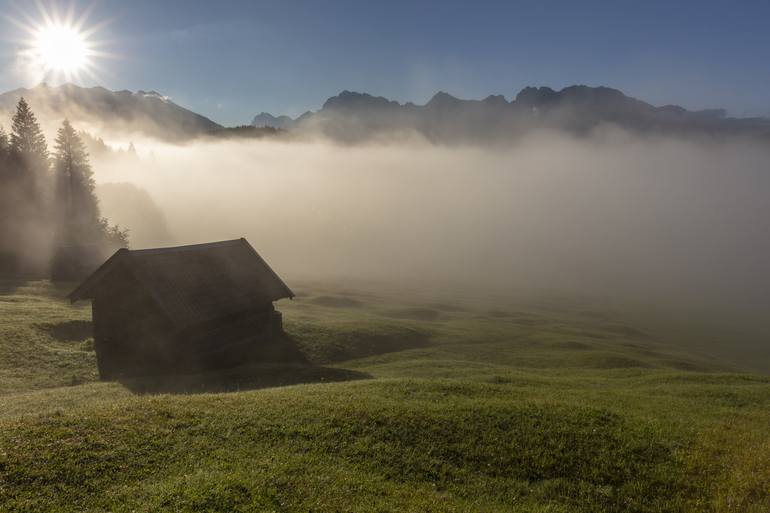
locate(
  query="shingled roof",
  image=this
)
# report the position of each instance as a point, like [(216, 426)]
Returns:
[(196, 283)]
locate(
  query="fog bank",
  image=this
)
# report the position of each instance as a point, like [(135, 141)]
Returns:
[(660, 222)]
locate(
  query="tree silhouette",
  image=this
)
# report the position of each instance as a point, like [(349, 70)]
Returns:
[(76, 201), (45, 214), (4, 145), (27, 139), (81, 221), (25, 223), (7, 259)]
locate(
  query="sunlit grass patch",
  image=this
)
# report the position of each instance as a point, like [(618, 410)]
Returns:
[(540, 409)]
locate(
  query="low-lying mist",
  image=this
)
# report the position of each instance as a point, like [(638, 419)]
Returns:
[(660, 222)]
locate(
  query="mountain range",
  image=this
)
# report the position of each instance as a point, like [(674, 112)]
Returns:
[(352, 116)]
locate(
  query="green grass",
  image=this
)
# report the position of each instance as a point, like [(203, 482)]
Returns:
[(422, 404), (30, 356)]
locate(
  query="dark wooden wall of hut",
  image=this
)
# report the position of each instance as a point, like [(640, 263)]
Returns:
[(131, 336), (254, 335)]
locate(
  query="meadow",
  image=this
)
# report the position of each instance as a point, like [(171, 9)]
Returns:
[(414, 402)]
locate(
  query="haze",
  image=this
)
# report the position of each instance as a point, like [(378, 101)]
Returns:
[(659, 222)]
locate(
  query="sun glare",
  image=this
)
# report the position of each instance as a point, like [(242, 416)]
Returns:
[(61, 49), (59, 45)]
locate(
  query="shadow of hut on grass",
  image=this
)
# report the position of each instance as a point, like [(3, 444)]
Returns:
[(249, 377), (69, 331)]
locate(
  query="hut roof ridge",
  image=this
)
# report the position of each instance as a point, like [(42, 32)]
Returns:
[(196, 282)]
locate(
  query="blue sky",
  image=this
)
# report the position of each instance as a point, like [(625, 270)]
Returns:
[(230, 59)]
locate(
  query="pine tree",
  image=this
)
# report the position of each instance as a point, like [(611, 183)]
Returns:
[(27, 139), (80, 222), (4, 144), (26, 215), (76, 201), (5, 154), (6, 198)]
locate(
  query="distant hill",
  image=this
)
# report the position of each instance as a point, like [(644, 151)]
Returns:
[(352, 116), (103, 111), (264, 120), (246, 132)]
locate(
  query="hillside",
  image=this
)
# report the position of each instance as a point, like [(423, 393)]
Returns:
[(414, 403), (101, 111), (577, 110)]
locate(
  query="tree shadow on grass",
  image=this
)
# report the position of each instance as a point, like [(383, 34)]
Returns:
[(250, 377)]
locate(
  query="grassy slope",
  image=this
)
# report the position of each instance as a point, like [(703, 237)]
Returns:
[(552, 406)]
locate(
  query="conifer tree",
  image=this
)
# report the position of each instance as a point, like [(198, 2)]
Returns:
[(5, 155), (79, 219), (26, 217), (5, 200), (27, 139), (76, 201), (4, 144)]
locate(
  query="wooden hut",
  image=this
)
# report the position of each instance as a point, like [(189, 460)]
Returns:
[(185, 309)]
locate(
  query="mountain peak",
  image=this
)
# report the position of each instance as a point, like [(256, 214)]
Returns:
[(353, 100), (495, 99), (535, 95), (265, 119), (153, 94), (442, 99), (599, 94)]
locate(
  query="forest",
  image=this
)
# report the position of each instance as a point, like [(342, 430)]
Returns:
[(50, 223)]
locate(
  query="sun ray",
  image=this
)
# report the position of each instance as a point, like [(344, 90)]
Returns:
[(60, 44)]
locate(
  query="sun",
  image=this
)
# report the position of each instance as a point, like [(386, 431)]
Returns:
[(58, 46), (61, 49)]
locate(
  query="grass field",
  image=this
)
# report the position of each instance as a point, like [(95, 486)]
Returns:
[(413, 403)]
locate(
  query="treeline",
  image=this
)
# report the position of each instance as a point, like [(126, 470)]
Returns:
[(246, 132), (50, 222)]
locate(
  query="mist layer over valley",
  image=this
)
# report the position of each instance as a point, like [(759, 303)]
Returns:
[(661, 223)]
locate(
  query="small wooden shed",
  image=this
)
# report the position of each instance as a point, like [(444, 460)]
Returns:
[(185, 309)]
